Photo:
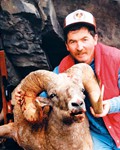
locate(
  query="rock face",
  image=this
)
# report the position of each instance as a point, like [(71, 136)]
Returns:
[(31, 31), (22, 30)]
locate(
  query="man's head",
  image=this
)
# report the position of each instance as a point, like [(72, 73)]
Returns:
[(80, 35), (80, 17)]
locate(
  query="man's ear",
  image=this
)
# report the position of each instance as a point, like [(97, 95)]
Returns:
[(67, 47), (96, 39)]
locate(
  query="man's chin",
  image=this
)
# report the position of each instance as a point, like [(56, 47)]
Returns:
[(82, 61)]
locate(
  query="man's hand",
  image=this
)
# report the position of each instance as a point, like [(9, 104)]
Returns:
[(106, 108), (17, 95)]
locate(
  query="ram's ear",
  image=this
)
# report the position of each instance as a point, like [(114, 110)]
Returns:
[(42, 102), (44, 106)]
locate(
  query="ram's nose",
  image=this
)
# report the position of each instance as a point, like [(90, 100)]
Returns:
[(76, 106)]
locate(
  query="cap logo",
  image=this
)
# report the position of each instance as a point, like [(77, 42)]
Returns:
[(78, 15)]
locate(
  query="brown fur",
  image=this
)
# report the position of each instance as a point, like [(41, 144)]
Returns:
[(59, 121)]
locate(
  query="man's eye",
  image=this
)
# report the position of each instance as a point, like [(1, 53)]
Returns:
[(72, 42), (85, 39), (52, 95)]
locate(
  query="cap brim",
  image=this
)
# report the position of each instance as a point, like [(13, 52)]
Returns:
[(86, 24)]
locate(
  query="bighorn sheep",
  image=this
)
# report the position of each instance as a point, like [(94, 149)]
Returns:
[(57, 122)]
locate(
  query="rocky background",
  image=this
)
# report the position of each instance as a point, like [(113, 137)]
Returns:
[(31, 32)]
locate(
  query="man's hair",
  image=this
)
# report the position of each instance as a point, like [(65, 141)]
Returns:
[(74, 27)]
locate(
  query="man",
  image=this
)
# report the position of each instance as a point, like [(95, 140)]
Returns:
[(81, 41)]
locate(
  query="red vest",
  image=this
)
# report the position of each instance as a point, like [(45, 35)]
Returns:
[(107, 65)]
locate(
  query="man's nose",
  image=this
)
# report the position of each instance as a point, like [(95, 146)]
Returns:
[(79, 46)]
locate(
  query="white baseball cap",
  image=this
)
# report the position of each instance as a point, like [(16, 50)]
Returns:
[(79, 16)]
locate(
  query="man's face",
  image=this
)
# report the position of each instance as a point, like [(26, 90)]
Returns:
[(80, 43)]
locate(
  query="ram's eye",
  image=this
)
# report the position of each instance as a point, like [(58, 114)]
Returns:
[(83, 90), (52, 95)]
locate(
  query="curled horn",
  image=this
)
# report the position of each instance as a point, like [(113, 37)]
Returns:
[(33, 84), (90, 84)]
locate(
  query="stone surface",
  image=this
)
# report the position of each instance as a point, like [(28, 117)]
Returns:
[(30, 41)]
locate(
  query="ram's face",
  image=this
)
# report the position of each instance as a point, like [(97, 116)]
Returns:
[(68, 97)]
